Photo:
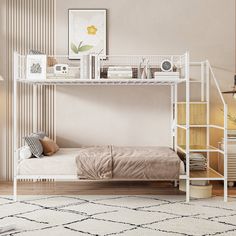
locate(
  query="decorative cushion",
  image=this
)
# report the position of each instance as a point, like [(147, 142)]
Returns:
[(25, 153), (35, 146), (40, 134), (49, 146)]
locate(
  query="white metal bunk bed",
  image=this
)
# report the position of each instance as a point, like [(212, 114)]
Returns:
[(181, 61)]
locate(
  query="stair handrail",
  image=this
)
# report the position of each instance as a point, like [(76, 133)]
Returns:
[(216, 82), (225, 132)]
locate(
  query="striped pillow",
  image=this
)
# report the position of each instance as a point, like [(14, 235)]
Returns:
[(35, 146)]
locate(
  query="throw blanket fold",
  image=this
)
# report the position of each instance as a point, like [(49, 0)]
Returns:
[(106, 162), (95, 163)]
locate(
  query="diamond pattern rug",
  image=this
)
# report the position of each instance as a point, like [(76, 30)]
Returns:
[(118, 215)]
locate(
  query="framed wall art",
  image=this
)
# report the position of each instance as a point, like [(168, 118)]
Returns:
[(87, 32), (36, 66)]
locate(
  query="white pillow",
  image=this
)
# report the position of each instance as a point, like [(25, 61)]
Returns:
[(25, 153)]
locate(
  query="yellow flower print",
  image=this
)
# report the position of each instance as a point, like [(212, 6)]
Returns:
[(92, 29)]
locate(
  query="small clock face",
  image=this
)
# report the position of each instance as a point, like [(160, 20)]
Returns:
[(166, 65)]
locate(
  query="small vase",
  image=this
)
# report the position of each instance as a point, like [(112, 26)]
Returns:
[(149, 74), (144, 74)]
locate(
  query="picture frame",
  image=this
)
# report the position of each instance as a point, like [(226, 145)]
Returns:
[(36, 66), (87, 32)]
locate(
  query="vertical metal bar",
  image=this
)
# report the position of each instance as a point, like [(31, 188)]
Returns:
[(172, 116), (225, 153), (208, 111), (54, 113), (202, 82), (175, 115), (187, 126)]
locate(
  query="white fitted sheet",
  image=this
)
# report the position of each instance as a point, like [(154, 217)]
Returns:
[(61, 163)]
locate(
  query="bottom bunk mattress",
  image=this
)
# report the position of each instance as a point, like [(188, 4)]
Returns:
[(142, 163), (64, 163)]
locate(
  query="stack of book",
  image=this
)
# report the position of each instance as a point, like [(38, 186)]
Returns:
[(119, 72), (197, 161), (231, 146), (166, 75), (232, 133), (89, 67)]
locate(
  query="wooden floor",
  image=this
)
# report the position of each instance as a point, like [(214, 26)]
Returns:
[(100, 188)]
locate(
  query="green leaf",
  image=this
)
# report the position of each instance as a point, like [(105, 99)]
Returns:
[(80, 44), (74, 48), (85, 48)]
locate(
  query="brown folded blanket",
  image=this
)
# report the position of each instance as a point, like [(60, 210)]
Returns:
[(106, 162), (95, 163)]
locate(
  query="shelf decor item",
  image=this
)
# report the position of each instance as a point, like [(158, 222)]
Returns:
[(61, 69), (36, 66), (166, 65), (87, 32), (119, 72), (85, 67)]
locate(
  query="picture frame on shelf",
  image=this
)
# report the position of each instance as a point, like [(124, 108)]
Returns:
[(36, 66), (87, 32)]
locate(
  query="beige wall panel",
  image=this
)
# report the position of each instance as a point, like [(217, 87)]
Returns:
[(30, 25)]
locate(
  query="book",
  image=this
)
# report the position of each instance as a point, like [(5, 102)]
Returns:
[(119, 68), (167, 73), (119, 73)]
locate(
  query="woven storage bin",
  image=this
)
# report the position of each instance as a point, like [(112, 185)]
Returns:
[(197, 191)]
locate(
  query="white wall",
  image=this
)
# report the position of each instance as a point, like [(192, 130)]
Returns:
[(139, 116)]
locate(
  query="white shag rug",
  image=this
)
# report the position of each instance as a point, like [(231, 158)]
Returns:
[(117, 215)]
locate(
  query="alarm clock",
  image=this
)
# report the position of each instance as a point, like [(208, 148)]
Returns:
[(61, 69), (166, 65)]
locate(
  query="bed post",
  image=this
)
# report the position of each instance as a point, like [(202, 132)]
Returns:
[(225, 153), (15, 153), (175, 115), (187, 126)]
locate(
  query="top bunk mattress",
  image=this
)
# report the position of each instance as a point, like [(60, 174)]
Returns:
[(61, 163)]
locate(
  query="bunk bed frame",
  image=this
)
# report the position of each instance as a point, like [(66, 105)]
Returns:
[(20, 80)]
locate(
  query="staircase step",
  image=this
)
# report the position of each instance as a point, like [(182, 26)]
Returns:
[(195, 102)]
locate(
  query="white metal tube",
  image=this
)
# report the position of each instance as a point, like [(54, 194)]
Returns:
[(217, 127), (202, 82), (175, 115), (54, 113), (216, 83), (208, 111), (225, 153), (187, 126), (172, 116)]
